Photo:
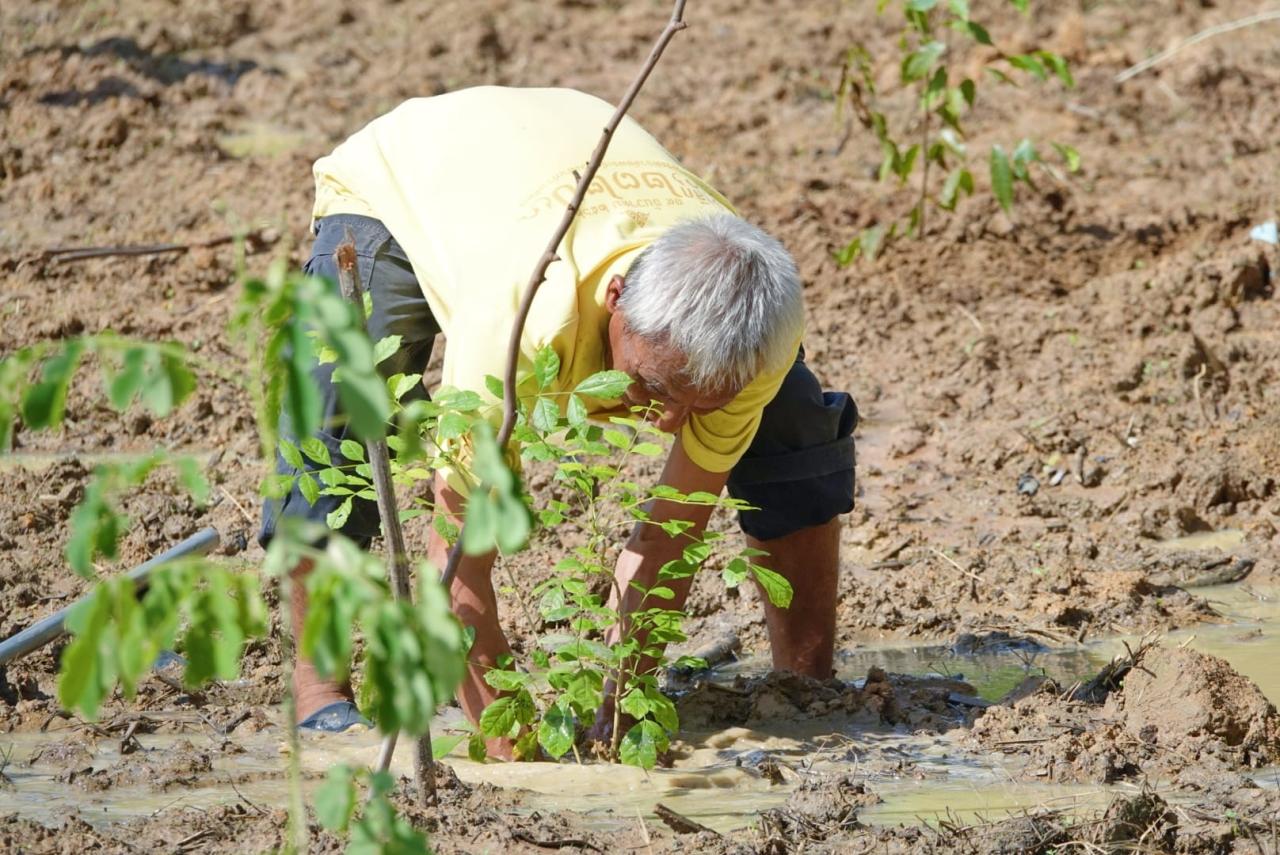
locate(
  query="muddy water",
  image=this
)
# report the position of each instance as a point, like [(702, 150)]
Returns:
[(709, 782)]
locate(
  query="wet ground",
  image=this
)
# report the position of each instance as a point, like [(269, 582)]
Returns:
[(1113, 340)]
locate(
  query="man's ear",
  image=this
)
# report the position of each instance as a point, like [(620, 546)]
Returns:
[(613, 293)]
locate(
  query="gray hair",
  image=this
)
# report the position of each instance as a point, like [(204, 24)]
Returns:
[(721, 291)]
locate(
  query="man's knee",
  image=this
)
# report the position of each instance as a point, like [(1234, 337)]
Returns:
[(799, 469)]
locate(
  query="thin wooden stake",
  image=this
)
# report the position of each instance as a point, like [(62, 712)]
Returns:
[(393, 534)]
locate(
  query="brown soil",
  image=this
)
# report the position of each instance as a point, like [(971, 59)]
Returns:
[(1114, 338)]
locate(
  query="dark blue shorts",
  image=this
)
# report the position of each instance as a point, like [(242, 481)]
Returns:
[(797, 472)]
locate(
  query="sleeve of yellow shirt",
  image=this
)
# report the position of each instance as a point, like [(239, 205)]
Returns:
[(716, 441)]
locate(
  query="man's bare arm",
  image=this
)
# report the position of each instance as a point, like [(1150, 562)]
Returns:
[(650, 547)]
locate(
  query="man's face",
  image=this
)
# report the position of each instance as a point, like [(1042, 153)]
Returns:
[(655, 369)]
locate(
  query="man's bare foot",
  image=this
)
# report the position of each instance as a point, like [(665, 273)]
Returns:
[(310, 693)]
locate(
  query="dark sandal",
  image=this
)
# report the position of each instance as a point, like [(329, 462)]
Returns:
[(336, 717)]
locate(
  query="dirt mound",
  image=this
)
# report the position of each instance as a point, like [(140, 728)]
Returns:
[(1175, 710), (1188, 703)]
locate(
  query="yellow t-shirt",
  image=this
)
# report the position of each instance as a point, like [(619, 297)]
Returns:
[(472, 185)]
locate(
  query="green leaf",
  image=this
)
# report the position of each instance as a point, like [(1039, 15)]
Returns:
[(499, 718), (735, 572), (546, 367), (191, 474), (1001, 178), (452, 425), (921, 5), (386, 348), (1023, 155), (336, 799), (124, 387), (556, 730), (959, 8), (847, 253), (1000, 76), (515, 524), (276, 486), (506, 681), (1020, 5), (315, 449), (663, 710), (642, 744), (461, 400), (1059, 66), (481, 529), (871, 240), (648, 449), (308, 487), (1070, 155), (774, 585), (494, 385), (585, 691), (917, 63), (975, 31), (546, 415), (337, 518), (442, 746), (635, 704), (292, 455), (403, 385), (476, 750), (577, 411), (95, 530), (958, 181), (44, 403), (968, 91), (1028, 63), (606, 385), (82, 683), (353, 451)]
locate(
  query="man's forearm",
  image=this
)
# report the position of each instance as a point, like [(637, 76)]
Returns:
[(650, 547)]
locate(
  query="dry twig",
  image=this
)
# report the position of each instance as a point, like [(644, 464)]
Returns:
[(398, 566), (254, 240), (1260, 18)]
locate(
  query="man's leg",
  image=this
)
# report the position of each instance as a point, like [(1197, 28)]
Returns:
[(400, 309), (476, 605), (802, 636), (798, 473)]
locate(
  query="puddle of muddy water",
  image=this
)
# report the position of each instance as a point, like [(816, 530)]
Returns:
[(707, 783)]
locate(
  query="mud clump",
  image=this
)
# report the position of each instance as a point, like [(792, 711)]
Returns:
[(882, 699), (821, 808), (1175, 710), (179, 765), (73, 753), (1190, 703)]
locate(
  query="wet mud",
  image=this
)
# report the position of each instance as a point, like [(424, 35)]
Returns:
[(1070, 420)]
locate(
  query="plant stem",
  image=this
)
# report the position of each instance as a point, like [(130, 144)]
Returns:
[(924, 173), (296, 838), (674, 25), (393, 534)]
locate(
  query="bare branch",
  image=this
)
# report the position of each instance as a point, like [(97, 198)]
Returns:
[(539, 275)]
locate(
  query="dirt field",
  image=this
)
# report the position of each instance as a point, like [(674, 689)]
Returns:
[(1115, 339)]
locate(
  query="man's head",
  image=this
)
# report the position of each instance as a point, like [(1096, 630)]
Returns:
[(702, 311)]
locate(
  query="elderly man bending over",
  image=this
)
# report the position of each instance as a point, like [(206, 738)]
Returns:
[(451, 200)]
